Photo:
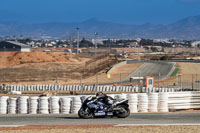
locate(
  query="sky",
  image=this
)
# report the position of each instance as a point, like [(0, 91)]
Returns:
[(119, 11)]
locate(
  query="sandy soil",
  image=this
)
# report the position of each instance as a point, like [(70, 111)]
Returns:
[(9, 59), (136, 129), (39, 66), (189, 71), (189, 68)]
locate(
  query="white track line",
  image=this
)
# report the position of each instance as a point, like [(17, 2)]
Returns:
[(12, 125)]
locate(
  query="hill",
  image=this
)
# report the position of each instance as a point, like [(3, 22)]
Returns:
[(14, 59), (187, 28)]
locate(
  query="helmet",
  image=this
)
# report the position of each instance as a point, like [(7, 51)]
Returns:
[(99, 93)]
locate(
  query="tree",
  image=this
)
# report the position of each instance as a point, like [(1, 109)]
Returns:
[(146, 48), (165, 57), (146, 42), (85, 43), (154, 49)]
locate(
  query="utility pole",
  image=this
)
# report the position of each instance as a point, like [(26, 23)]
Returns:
[(70, 42), (192, 82), (181, 82), (95, 49), (109, 45), (120, 79), (81, 84), (140, 83), (95, 57), (78, 28), (177, 80), (57, 77), (196, 82), (159, 80)]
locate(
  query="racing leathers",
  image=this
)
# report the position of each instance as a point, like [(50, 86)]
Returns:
[(100, 99)]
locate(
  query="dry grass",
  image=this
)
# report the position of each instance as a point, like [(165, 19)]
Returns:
[(136, 129), (125, 70), (188, 71)]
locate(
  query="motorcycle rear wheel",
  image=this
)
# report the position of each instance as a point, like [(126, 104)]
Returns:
[(125, 112), (84, 115)]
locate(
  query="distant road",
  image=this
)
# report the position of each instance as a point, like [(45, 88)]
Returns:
[(153, 69), (133, 119), (150, 68), (143, 61)]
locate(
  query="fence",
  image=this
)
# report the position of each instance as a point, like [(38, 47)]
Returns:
[(184, 81), (83, 88)]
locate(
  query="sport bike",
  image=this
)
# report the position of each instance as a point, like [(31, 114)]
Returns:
[(119, 108)]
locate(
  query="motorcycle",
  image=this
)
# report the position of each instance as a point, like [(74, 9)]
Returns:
[(119, 108)]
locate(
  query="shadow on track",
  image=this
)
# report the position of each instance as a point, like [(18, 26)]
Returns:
[(75, 118), (69, 118)]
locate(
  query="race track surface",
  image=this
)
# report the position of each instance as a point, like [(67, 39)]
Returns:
[(153, 69), (133, 119)]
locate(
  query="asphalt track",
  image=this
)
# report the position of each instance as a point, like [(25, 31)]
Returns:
[(133, 119), (153, 69)]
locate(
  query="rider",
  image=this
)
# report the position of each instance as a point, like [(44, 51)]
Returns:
[(101, 97), (105, 99)]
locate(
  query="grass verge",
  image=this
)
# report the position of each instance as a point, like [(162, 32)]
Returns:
[(175, 71)]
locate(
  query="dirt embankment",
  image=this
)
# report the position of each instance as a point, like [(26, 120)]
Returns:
[(48, 67), (29, 67), (10, 59)]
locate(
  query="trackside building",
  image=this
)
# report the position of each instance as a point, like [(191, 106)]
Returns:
[(14, 46)]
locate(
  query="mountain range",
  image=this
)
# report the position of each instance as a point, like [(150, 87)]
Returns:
[(187, 28)]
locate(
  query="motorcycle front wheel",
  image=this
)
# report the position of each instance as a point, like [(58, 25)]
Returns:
[(123, 112), (84, 114)]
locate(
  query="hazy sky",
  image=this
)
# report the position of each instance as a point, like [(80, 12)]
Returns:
[(120, 11)]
